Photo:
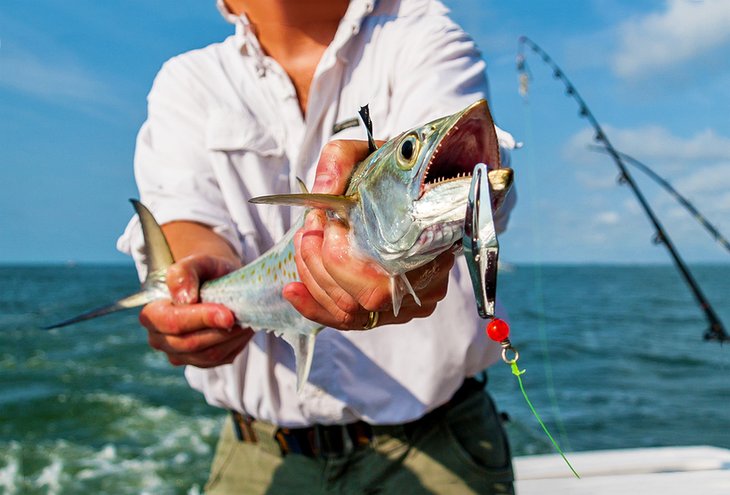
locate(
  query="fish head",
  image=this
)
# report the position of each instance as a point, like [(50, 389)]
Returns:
[(412, 191)]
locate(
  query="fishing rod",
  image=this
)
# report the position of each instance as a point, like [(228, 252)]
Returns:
[(681, 199), (716, 331)]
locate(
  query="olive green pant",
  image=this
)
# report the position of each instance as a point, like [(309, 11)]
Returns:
[(464, 451)]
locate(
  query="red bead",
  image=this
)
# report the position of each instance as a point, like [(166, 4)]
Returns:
[(498, 330)]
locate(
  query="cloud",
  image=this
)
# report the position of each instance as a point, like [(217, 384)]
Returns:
[(37, 64), (653, 143), (698, 166), (25, 72), (661, 41), (712, 178), (607, 218)]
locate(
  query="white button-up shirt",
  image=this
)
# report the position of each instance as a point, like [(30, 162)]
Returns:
[(224, 125)]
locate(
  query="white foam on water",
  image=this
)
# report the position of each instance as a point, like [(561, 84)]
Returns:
[(194, 490), (147, 449), (51, 477), (10, 473)]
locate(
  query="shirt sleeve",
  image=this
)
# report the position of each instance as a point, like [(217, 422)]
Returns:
[(172, 165), (440, 71)]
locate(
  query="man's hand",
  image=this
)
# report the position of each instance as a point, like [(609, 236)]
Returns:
[(339, 289), (190, 332)]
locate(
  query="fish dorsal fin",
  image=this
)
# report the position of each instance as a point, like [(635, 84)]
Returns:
[(157, 251), (365, 116), (302, 186), (303, 345), (340, 205)]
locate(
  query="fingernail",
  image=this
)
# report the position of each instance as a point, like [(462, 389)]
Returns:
[(289, 294), (223, 321)]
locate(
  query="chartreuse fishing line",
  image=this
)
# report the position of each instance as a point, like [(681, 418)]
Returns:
[(498, 330)]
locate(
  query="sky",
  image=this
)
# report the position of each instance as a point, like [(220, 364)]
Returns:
[(655, 73)]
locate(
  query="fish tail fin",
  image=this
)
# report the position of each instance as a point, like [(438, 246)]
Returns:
[(303, 345), (159, 258), (157, 252), (132, 301)]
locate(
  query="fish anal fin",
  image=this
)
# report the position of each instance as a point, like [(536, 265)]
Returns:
[(303, 345)]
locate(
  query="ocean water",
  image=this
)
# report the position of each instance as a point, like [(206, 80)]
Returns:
[(614, 359)]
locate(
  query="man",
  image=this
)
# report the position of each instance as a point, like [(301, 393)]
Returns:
[(383, 410)]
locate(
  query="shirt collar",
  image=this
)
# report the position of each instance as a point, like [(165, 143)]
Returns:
[(227, 14)]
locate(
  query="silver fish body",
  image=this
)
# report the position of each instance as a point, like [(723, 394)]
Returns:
[(404, 204)]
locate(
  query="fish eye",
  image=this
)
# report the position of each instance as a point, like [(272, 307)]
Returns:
[(406, 149), (407, 152)]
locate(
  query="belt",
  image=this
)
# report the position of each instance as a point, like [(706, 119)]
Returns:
[(327, 441)]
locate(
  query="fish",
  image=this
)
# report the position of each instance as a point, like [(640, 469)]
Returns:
[(404, 205)]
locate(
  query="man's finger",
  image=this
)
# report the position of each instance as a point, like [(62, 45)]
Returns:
[(362, 279), (313, 273), (335, 165), (185, 276), (216, 354), (165, 317)]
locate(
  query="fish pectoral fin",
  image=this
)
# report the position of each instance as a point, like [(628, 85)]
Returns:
[(341, 205), (399, 287), (303, 345)]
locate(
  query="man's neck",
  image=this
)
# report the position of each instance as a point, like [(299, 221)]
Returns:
[(288, 27), (295, 33)]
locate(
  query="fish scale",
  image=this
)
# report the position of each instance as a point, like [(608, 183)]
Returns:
[(253, 293)]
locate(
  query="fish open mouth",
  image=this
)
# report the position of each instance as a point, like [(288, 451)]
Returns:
[(470, 140)]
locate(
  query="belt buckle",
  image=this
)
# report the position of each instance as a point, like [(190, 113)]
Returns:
[(332, 441)]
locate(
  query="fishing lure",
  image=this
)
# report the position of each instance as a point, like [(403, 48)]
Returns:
[(481, 250)]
